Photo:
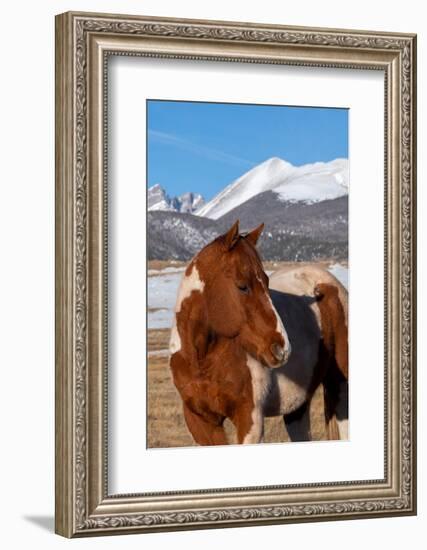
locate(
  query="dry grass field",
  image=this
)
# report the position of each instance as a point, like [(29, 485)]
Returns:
[(166, 425)]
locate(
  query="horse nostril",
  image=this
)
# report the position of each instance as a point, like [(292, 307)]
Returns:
[(279, 352)]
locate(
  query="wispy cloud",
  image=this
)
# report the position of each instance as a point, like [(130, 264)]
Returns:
[(195, 148)]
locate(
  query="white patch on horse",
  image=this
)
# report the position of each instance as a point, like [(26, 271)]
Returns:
[(279, 325), (175, 340), (281, 330), (342, 412), (260, 377), (292, 395), (190, 283)]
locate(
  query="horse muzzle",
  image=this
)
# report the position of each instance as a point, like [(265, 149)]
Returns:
[(281, 353)]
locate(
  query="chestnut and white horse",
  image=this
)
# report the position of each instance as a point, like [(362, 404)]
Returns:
[(243, 347)]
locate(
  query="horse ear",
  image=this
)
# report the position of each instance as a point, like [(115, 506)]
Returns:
[(254, 235), (232, 236)]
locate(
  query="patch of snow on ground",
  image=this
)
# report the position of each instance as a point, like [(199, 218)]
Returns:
[(162, 292), (165, 270), (163, 289)]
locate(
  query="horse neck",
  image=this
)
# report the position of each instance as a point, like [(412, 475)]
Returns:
[(224, 352)]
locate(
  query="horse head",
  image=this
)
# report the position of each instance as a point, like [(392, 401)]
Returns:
[(224, 294)]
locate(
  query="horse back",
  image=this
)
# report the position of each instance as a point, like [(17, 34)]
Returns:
[(312, 321), (301, 281)]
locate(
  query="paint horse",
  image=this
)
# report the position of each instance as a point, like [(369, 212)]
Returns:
[(232, 357)]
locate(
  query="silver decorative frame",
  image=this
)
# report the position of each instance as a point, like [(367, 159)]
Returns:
[(83, 42)]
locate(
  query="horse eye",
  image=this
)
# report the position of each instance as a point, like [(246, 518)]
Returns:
[(243, 288)]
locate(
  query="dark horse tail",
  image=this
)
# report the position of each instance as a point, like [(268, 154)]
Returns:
[(334, 354)]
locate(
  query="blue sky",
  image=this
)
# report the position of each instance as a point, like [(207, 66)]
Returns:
[(202, 147)]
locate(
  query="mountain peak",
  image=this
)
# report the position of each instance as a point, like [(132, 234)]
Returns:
[(158, 199), (155, 187), (308, 183), (276, 162), (260, 178)]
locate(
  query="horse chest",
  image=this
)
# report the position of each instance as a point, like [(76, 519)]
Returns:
[(279, 391), (287, 395), (260, 380)]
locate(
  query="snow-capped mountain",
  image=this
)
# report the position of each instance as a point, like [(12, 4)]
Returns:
[(304, 209), (159, 200), (309, 184), (190, 202)]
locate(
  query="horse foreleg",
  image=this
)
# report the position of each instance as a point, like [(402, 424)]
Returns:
[(204, 431), (249, 423), (335, 389), (298, 423)]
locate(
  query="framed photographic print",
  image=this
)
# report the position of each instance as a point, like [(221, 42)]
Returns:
[(235, 274)]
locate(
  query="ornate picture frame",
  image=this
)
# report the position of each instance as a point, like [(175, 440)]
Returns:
[(84, 42)]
